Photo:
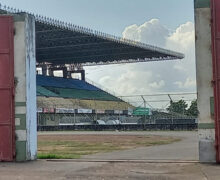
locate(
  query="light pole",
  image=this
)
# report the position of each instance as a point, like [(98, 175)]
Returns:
[(171, 107), (144, 109)]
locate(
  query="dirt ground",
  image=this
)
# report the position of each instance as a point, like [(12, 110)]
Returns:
[(115, 139), (74, 146)]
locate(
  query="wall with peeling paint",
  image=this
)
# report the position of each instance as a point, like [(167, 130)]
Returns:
[(207, 152), (25, 95)]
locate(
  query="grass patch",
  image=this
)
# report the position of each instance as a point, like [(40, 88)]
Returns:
[(56, 156), (75, 146)]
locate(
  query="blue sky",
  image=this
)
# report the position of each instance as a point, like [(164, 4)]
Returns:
[(110, 16)]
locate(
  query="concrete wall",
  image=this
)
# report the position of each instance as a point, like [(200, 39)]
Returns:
[(25, 95), (207, 152)]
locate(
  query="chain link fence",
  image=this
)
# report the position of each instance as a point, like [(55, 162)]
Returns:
[(78, 112)]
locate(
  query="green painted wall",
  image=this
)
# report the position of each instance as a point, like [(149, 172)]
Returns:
[(202, 3), (206, 126), (21, 150), (22, 119), (20, 124)]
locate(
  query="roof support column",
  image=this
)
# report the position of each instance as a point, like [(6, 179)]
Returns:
[(44, 69)]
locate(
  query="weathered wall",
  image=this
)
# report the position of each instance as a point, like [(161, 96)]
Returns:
[(204, 81), (25, 95)]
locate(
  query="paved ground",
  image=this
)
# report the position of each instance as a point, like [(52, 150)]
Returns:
[(142, 169), (187, 149), (59, 170)]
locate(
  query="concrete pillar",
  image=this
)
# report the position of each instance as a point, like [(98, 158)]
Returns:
[(65, 72), (44, 69), (25, 90), (69, 75), (51, 73), (83, 76), (207, 151)]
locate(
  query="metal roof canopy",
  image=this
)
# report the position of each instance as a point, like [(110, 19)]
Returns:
[(60, 43)]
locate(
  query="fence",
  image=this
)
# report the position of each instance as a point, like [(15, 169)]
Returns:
[(54, 111), (121, 127)]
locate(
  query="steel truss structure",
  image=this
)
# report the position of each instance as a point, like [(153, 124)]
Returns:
[(60, 43)]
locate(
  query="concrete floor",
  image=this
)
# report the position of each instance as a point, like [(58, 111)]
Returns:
[(164, 162), (60, 170)]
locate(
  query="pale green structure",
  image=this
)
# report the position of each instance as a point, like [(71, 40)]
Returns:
[(25, 92)]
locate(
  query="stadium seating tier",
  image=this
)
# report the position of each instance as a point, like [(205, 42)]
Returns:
[(70, 88)]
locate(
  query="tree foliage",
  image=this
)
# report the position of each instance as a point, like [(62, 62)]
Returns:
[(193, 110), (177, 107), (180, 107)]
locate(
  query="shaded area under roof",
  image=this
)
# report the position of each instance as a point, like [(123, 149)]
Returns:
[(71, 88), (60, 43), (60, 82)]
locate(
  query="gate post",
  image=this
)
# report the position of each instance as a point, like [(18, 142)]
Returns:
[(25, 90), (204, 73)]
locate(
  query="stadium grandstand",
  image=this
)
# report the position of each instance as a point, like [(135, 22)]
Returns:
[(75, 98), (66, 47), (70, 88)]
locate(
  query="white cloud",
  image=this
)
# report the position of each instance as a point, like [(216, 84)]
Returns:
[(157, 85), (182, 40), (153, 77), (130, 82), (151, 32), (189, 83)]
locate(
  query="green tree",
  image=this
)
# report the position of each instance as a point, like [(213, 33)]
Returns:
[(193, 110), (178, 107)]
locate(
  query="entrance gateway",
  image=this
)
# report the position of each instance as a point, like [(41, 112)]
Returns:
[(18, 131)]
